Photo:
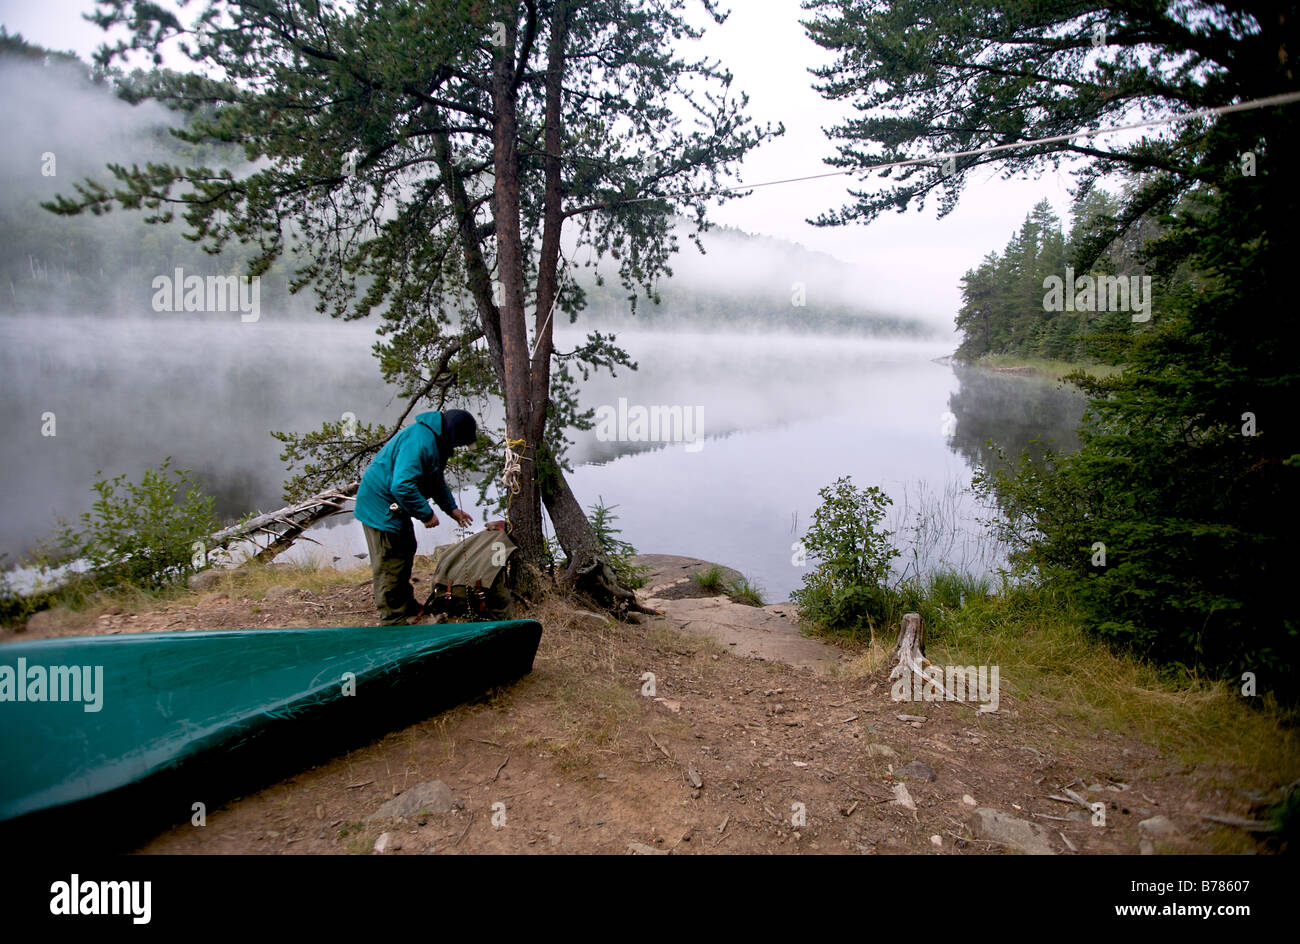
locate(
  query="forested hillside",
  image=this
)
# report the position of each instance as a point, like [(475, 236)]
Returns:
[(83, 264), (1007, 309)]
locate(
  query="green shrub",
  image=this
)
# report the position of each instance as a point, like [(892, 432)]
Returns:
[(139, 534), (849, 588)]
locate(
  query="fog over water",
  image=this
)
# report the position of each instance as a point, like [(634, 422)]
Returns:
[(782, 415)]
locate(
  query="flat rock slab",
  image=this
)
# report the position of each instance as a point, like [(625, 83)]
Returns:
[(767, 632), (432, 797), (1018, 834), (666, 569)]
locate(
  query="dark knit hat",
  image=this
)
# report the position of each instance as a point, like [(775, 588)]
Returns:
[(458, 428)]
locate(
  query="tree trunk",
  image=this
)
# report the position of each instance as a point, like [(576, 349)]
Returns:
[(524, 509), (588, 570)]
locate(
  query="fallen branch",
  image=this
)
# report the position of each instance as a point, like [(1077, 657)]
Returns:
[(1251, 825), (286, 524)]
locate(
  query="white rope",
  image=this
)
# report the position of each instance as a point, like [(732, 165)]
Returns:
[(1285, 99), (538, 340), (511, 467)]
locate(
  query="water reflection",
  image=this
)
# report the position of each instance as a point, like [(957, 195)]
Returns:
[(783, 416), (1015, 413)]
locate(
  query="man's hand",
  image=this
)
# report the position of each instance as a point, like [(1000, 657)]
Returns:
[(432, 522), (464, 519)]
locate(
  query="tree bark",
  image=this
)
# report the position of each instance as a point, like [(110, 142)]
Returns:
[(588, 569), (524, 505)]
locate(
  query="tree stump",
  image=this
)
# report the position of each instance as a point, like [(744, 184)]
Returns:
[(911, 641), (910, 651)]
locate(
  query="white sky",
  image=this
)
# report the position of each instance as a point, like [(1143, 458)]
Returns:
[(912, 261)]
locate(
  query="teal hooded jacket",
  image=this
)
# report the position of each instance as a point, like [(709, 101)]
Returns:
[(408, 471)]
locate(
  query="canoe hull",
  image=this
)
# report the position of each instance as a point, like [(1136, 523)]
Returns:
[(200, 717)]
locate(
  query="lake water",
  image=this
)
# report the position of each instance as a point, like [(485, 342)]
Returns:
[(781, 416)]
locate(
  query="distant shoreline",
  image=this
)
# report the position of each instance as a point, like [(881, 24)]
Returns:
[(1044, 369)]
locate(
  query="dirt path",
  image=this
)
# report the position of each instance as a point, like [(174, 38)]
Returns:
[(732, 749), (767, 632)]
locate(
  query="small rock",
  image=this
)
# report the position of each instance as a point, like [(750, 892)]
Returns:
[(434, 797), (585, 619), (968, 799), (936, 841), (902, 797), (1157, 827), (919, 719), (880, 750), (383, 843), (1023, 836), (640, 848), (918, 771), (673, 706), (694, 777), (205, 579)]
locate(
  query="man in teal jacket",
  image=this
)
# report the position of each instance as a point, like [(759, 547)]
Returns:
[(397, 486)]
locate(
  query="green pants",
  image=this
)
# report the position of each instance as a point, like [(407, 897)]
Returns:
[(391, 555)]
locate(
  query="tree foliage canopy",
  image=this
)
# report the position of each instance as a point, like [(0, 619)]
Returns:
[(445, 166), (1172, 522)]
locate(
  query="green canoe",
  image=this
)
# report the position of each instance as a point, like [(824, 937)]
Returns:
[(118, 726)]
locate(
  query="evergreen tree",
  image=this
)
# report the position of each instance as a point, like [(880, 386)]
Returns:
[(429, 162), (1172, 521)]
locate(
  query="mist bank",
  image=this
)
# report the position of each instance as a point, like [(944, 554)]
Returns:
[(65, 125)]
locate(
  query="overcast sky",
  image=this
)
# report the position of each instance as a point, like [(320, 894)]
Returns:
[(912, 262)]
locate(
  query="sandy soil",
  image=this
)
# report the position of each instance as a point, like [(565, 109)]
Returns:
[(734, 751)]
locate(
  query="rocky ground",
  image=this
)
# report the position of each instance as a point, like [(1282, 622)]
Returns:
[(716, 727)]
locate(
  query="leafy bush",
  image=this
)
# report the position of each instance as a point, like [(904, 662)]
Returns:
[(142, 534), (849, 588)]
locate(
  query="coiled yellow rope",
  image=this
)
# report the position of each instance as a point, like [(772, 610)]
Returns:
[(511, 470)]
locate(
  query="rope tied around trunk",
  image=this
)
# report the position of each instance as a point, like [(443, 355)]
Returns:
[(510, 471)]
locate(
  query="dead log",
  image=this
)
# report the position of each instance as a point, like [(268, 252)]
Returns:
[(286, 525)]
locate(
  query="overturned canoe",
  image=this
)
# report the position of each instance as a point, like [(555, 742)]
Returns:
[(165, 720)]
